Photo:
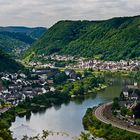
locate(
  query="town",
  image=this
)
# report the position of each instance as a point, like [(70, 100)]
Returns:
[(19, 86), (126, 107), (110, 65), (83, 63), (15, 87)]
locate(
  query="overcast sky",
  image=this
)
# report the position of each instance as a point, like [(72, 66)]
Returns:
[(47, 12)]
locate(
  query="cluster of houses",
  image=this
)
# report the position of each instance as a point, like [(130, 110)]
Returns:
[(60, 57), (16, 87), (20, 50), (40, 64), (52, 59), (72, 74), (128, 101), (109, 65), (130, 96), (83, 63)]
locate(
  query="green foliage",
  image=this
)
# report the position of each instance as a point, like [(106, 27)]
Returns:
[(15, 40), (60, 78), (114, 39), (84, 136), (5, 135), (36, 104), (87, 84), (138, 121), (124, 111), (115, 105), (99, 129), (135, 75), (8, 64)]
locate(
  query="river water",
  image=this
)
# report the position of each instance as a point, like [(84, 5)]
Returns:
[(67, 117)]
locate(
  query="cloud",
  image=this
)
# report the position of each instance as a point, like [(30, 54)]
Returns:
[(48, 12)]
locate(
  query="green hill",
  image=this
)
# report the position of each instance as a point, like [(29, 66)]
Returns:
[(16, 40), (113, 39), (7, 64), (35, 32)]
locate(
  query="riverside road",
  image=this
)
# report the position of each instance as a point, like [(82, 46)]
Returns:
[(98, 112)]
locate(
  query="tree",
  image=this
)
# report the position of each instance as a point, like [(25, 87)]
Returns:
[(136, 111), (84, 136), (115, 105), (60, 78), (124, 111)]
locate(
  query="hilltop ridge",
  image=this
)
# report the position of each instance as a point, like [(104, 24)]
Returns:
[(113, 39)]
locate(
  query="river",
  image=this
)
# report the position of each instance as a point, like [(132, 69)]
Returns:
[(67, 117)]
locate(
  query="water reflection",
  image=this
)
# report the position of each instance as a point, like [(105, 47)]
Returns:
[(42, 111), (68, 116), (57, 107), (28, 116)]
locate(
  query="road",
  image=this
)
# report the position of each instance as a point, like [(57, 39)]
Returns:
[(99, 115)]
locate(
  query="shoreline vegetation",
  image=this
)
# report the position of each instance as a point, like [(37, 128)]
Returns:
[(126, 74), (64, 95), (119, 73), (89, 84), (34, 105), (107, 131), (102, 130)]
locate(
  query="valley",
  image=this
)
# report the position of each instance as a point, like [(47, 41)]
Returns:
[(50, 76), (15, 40)]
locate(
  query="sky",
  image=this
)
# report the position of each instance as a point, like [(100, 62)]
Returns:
[(48, 12)]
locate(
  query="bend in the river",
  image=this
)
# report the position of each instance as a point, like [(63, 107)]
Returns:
[(67, 117)]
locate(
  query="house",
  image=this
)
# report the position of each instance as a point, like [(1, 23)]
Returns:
[(52, 89), (130, 92), (125, 92), (22, 75), (50, 81), (130, 96), (72, 74), (69, 71)]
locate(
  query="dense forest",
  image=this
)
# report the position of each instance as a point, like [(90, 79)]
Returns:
[(34, 33), (7, 64), (16, 40), (113, 39)]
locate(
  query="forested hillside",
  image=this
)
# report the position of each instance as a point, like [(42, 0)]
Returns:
[(34, 33), (7, 64), (16, 40), (113, 39)]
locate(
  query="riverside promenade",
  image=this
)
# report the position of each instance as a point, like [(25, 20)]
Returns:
[(100, 112)]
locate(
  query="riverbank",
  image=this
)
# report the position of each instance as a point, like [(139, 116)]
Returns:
[(41, 102), (100, 126), (104, 114), (107, 95), (58, 90), (38, 103), (68, 117), (122, 74)]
